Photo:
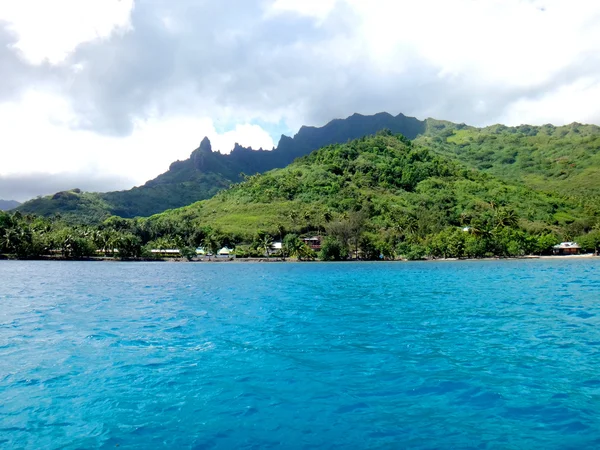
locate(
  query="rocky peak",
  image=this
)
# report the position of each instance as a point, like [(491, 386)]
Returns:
[(198, 156), (205, 145)]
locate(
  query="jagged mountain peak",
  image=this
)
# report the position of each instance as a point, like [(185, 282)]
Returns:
[(205, 145), (207, 172)]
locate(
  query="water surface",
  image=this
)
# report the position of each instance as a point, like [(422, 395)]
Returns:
[(400, 355)]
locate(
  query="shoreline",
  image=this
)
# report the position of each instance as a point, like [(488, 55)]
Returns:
[(293, 260)]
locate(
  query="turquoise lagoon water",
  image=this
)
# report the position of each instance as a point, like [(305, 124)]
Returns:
[(232, 356)]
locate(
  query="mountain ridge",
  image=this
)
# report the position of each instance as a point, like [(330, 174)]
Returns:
[(206, 172), (547, 158)]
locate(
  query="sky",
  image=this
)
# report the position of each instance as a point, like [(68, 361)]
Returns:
[(105, 94)]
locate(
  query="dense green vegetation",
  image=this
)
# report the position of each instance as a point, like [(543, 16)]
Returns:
[(206, 172), (89, 208), (563, 160), (384, 195), (377, 197)]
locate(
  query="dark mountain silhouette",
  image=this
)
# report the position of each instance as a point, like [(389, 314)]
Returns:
[(207, 172)]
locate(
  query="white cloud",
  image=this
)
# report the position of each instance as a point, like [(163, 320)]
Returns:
[(131, 88), (511, 42), (567, 104), (487, 55), (50, 30), (246, 135), (38, 139), (312, 8)]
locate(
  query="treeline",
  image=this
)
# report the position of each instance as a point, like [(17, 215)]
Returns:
[(26, 236), (350, 236)]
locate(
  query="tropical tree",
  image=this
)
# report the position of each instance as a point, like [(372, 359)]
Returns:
[(211, 243), (406, 226), (506, 217), (292, 245), (128, 245), (333, 250), (280, 231), (305, 253), (10, 241), (265, 244)]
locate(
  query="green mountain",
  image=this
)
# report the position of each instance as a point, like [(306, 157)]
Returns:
[(373, 197), (564, 160), (392, 195), (6, 205), (206, 172)]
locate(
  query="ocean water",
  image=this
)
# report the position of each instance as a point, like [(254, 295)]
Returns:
[(231, 356)]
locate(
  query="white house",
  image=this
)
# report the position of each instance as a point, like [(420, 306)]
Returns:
[(225, 251)]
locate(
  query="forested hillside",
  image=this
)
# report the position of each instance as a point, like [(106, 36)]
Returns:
[(564, 160), (207, 172), (393, 197), (377, 197)]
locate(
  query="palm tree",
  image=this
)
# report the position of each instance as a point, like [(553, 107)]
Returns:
[(305, 252), (326, 218), (307, 216), (480, 230), (407, 226), (464, 218), (10, 240), (105, 240), (293, 216), (292, 245), (506, 217), (265, 244), (211, 243)]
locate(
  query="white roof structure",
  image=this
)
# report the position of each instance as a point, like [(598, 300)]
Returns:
[(564, 245), (224, 251), (277, 245)]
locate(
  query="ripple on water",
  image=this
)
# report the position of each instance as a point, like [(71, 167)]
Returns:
[(452, 355)]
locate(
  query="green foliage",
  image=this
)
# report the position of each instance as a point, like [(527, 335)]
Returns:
[(188, 252), (561, 160), (292, 245), (333, 250), (206, 172), (590, 242), (549, 175), (376, 197)]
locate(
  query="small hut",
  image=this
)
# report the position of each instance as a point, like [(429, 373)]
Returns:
[(567, 248), (313, 242)]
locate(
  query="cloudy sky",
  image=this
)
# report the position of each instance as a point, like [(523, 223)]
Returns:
[(105, 94)]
